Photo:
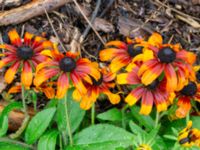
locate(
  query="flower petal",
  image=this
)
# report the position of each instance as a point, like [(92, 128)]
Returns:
[(134, 96), (189, 57), (27, 75), (147, 103), (10, 73), (8, 47), (14, 37), (5, 61), (114, 98), (15, 89), (118, 44), (155, 39), (49, 92), (62, 85), (184, 107), (27, 38)]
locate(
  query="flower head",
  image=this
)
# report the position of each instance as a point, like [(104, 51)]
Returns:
[(176, 63), (95, 88), (189, 136), (143, 147), (23, 55), (66, 68), (121, 54), (149, 94)]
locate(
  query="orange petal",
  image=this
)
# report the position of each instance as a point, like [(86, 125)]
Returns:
[(27, 38), (184, 107), (14, 37), (49, 92), (155, 39), (62, 85), (171, 78), (147, 103), (114, 98), (5, 61), (189, 57), (146, 65), (27, 75), (10, 73), (118, 44), (134, 96), (78, 83), (15, 89), (8, 47), (76, 95), (107, 54)]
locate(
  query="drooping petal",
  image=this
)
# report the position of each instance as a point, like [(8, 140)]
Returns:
[(152, 73), (147, 103), (128, 78), (10, 73), (76, 95), (27, 38), (14, 37), (189, 57), (114, 98), (181, 79), (49, 92), (161, 103), (146, 65), (107, 54), (76, 80), (46, 64), (171, 78), (62, 85), (134, 96), (15, 89), (44, 75), (27, 75), (118, 63), (43, 46), (5, 61), (184, 107)]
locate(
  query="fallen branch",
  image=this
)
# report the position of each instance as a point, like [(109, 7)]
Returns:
[(30, 10)]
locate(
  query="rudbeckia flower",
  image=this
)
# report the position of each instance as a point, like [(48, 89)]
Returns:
[(189, 136), (176, 63), (154, 92), (190, 92), (95, 88), (143, 147), (46, 88), (66, 68), (23, 55), (121, 54)]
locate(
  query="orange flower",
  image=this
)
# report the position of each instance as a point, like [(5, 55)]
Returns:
[(123, 53), (95, 88), (47, 89), (190, 92), (66, 69), (170, 59), (24, 55), (149, 94)]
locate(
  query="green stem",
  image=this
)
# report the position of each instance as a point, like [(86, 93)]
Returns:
[(68, 121), (157, 119), (123, 115), (24, 101), (93, 114), (187, 117)]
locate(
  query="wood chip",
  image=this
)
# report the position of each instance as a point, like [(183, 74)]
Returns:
[(189, 21), (103, 25)]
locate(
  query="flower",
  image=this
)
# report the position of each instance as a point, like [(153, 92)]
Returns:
[(190, 92), (95, 88), (143, 147), (189, 136), (176, 63), (149, 94), (66, 68), (23, 55), (123, 53), (46, 88)]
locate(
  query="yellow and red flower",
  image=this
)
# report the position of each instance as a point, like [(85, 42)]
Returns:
[(23, 55), (66, 68), (189, 136), (95, 88), (121, 54), (46, 88), (176, 63), (149, 94), (190, 92)]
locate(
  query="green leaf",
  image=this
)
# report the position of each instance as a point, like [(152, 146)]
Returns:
[(38, 125), (146, 121), (103, 137), (76, 114), (52, 103), (195, 121), (111, 115), (136, 129), (4, 116), (48, 140), (11, 146)]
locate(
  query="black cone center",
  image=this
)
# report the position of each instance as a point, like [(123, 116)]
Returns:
[(134, 51), (166, 55), (67, 64), (190, 89), (25, 52), (153, 85)]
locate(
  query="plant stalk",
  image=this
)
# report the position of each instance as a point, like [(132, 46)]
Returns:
[(93, 114)]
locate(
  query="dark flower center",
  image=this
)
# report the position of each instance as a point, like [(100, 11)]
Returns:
[(153, 85), (97, 82), (134, 51), (25, 52), (166, 55), (67, 64), (198, 76), (190, 89), (185, 140)]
